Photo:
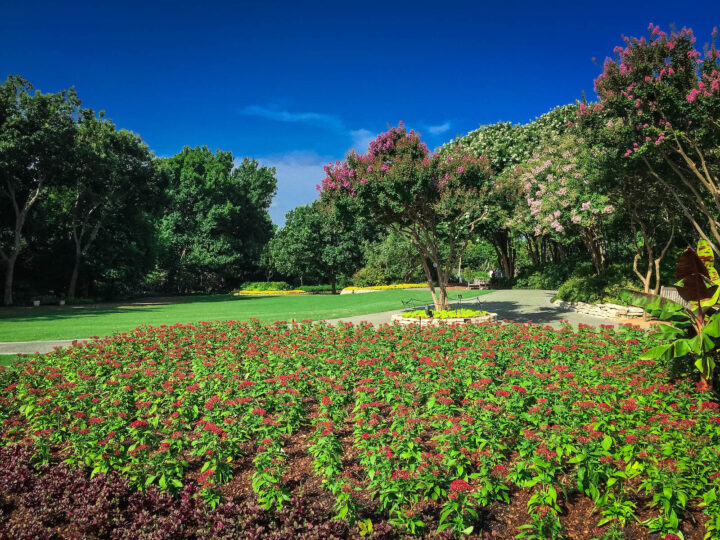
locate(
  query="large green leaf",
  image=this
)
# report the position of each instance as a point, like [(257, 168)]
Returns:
[(712, 328), (660, 352), (682, 347)]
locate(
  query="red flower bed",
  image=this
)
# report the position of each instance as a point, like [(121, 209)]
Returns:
[(511, 428)]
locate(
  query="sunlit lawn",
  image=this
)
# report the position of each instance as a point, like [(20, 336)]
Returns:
[(69, 322)]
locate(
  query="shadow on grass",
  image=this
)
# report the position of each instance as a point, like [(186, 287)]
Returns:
[(146, 305)]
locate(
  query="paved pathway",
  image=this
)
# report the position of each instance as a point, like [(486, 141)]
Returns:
[(520, 305), (30, 347)]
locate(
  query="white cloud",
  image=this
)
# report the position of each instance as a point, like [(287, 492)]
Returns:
[(297, 174), (439, 129), (327, 121), (361, 139)]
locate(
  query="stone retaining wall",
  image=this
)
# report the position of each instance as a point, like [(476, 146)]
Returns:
[(490, 317), (607, 311)]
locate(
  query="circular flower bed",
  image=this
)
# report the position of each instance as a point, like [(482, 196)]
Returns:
[(450, 316)]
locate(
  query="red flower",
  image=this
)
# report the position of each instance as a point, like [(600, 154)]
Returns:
[(326, 400), (139, 423), (460, 486)]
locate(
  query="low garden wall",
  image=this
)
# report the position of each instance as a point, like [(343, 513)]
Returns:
[(607, 311), (488, 317)]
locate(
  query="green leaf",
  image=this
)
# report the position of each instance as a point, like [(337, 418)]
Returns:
[(682, 347), (657, 352), (668, 330), (606, 443), (468, 530)]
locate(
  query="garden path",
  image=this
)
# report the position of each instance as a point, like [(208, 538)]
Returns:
[(520, 305)]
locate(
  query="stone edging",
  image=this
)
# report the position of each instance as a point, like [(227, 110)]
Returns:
[(607, 311), (490, 317)]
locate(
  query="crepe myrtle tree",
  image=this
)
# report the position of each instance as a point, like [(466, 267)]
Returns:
[(666, 95), (433, 200), (561, 201)]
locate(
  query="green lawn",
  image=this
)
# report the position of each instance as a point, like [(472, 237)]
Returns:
[(69, 322), (7, 359)]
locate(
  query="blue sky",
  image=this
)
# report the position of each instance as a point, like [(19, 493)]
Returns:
[(296, 84)]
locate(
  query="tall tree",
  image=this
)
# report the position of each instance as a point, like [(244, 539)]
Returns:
[(666, 97), (216, 220), (315, 242), (434, 201), (36, 139), (113, 171)]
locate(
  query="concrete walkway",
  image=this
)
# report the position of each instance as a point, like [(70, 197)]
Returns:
[(519, 305), (30, 347)]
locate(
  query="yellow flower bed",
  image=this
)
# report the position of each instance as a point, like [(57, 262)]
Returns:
[(387, 287), (294, 291)]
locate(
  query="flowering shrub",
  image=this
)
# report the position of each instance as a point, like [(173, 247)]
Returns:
[(422, 428), (660, 95), (388, 287)]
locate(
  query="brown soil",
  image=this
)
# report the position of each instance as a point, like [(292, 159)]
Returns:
[(499, 520)]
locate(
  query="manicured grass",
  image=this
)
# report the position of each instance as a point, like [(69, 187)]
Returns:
[(70, 322), (7, 359)]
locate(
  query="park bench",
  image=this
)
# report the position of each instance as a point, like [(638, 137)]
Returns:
[(478, 283)]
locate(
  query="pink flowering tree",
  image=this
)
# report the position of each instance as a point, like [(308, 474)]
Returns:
[(665, 95), (560, 200), (433, 200)]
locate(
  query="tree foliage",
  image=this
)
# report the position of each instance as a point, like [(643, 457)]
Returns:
[(433, 200)]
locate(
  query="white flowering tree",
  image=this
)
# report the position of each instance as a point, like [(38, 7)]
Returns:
[(561, 200)]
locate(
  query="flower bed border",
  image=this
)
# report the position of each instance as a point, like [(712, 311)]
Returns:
[(489, 317)]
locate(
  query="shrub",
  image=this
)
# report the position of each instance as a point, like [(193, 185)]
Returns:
[(550, 276), (265, 286), (315, 288), (584, 286), (369, 276)]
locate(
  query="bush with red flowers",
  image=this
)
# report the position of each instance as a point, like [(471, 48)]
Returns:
[(418, 428)]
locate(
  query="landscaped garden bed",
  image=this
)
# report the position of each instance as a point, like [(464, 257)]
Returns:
[(507, 429), (450, 316), (376, 288)]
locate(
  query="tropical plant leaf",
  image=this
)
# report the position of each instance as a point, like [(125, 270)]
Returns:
[(705, 253), (694, 277), (689, 264)]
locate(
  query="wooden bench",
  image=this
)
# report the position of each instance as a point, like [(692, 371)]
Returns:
[(479, 283)]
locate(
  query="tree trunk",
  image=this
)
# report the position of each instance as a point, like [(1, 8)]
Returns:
[(428, 275), (443, 278), (503, 245), (533, 250), (593, 246), (73, 279), (75, 272), (332, 284), (9, 271)]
